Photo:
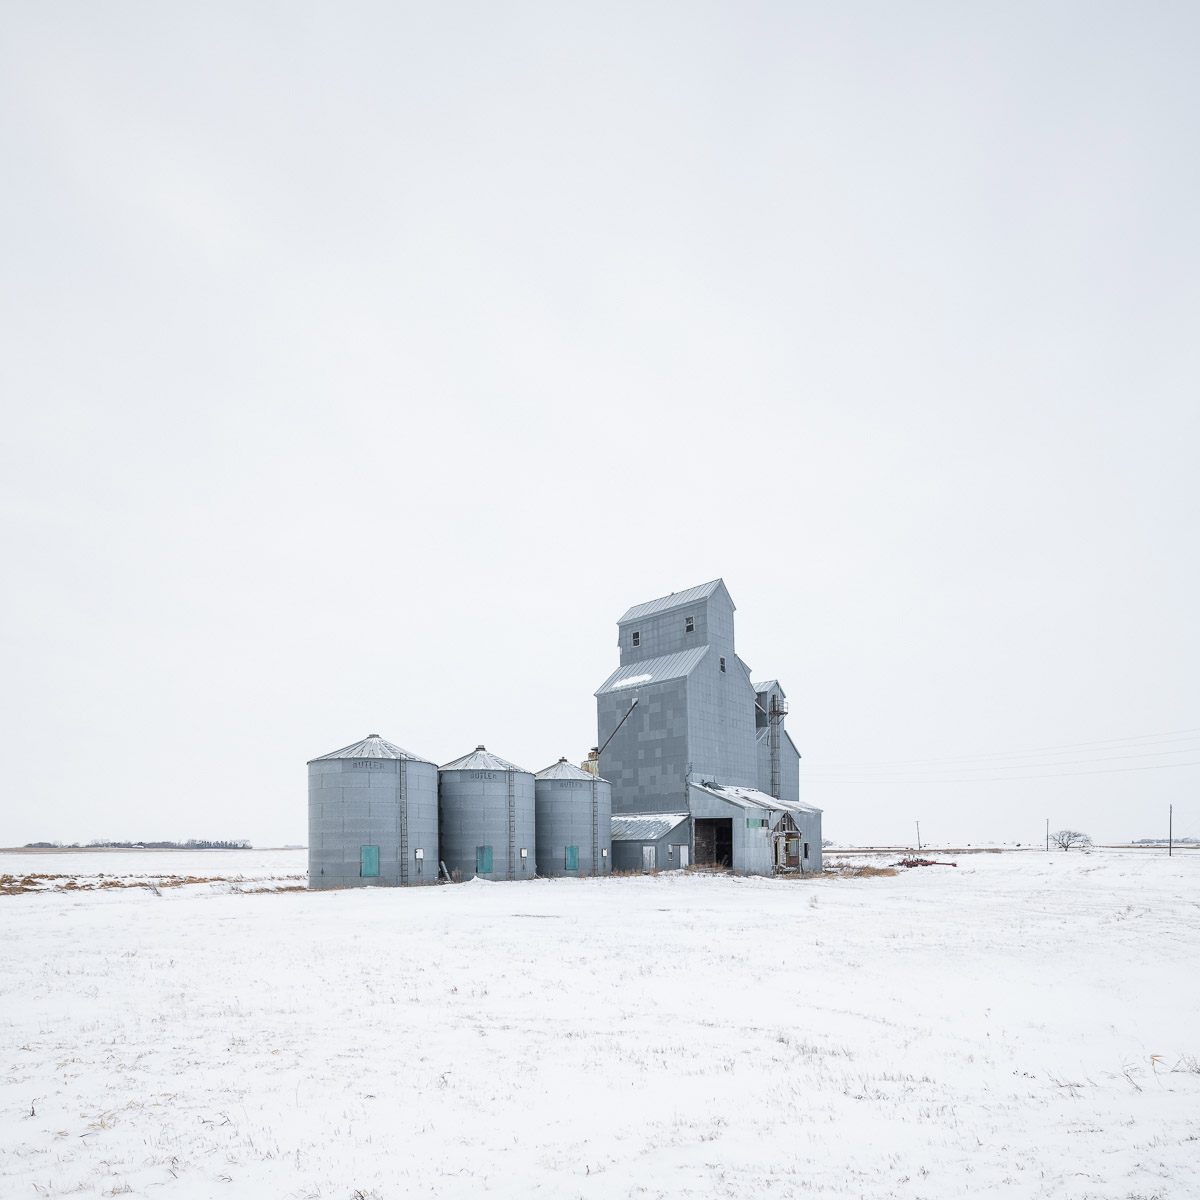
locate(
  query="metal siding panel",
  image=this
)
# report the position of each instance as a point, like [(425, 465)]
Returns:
[(345, 817), (474, 812), (564, 817)]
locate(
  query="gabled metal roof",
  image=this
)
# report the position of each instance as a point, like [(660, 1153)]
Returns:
[(766, 685), (565, 770), (481, 759), (674, 600), (644, 827), (653, 670), (752, 798), (372, 746)]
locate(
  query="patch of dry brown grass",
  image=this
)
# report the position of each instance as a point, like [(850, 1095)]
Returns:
[(13, 885), (857, 872)]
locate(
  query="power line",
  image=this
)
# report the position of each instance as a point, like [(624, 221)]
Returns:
[(1004, 778), (1114, 743), (1016, 766)]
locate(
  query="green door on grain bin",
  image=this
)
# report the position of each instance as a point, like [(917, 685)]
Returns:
[(483, 860), (572, 858), (369, 861)]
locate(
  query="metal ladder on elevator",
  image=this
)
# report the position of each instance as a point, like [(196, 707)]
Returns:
[(512, 824), (404, 821), (595, 827)]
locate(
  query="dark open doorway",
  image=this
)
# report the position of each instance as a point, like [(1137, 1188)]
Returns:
[(714, 841)]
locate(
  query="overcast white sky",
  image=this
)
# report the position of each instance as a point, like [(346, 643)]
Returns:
[(362, 362)]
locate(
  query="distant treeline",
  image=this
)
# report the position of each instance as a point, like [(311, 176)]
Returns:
[(190, 844), (1157, 841)]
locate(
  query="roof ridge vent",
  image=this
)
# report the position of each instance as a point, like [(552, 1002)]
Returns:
[(481, 746)]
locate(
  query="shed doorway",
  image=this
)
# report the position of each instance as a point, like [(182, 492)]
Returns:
[(714, 841), (648, 857), (787, 844)]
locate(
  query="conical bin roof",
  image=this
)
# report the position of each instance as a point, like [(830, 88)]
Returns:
[(372, 746), (565, 770), (481, 759)]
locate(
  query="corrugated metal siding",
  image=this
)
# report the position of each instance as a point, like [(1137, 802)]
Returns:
[(646, 761), (720, 729), (565, 820), (366, 802), (474, 813), (789, 775), (752, 848), (627, 856)]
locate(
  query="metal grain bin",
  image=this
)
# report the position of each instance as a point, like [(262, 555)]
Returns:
[(574, 821), (372, 817), (487, 811)]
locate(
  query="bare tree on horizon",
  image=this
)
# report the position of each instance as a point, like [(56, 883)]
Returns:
[(1064, 839)]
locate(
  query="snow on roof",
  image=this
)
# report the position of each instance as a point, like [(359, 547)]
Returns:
[(480, 759), (675, 600), (633, 681), (752, 798), (565, 770), (653, 670), (372, 746), (644, 827)]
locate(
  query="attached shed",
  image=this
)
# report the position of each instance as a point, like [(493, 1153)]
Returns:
[(753, 833), (651, 841)]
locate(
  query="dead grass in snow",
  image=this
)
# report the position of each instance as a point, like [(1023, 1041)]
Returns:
[(16, 885)]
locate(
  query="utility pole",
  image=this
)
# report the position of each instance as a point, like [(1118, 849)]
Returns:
[(1170, 830), (918, 835), (1047, 835)]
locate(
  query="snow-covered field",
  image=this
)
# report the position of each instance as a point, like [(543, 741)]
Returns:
[(1022, 1025), (227, 870)]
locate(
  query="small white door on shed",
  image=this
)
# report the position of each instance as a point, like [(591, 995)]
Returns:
[(647, 858), (683, 856)]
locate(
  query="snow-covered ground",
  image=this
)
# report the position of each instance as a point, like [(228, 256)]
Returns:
[(50, 870), (1023, 1024)]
